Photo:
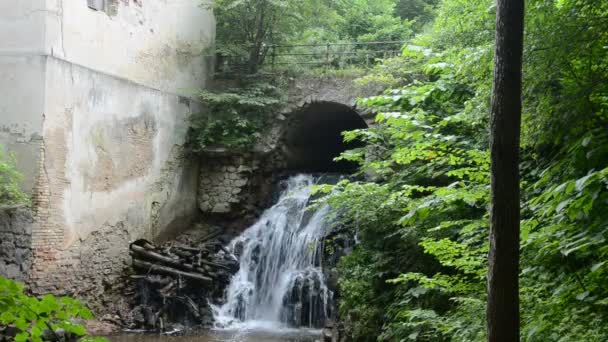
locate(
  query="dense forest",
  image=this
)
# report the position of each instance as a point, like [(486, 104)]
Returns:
[(420, 214)]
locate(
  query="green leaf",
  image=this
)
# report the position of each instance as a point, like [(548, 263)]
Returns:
[(586, 141), (597, 266), (22, 337), (581, 182), (21, 324)]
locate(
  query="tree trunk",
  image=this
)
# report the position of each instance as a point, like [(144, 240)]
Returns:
[(254, 62), (503, 285)]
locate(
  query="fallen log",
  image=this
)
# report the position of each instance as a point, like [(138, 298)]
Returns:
[(153, 268), (180, 253), (157, 281), (192, 307), (211, 235), (143, 243), (187, 249), (140, 251), (165, 290), (215, 264)]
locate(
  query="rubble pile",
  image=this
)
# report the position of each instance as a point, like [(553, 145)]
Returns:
[(178, 279)]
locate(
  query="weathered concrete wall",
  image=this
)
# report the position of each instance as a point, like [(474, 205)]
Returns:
[(22, 27), (159, 44), (112, 164), (94, 107), (21, 111), (15, 242), (22, 73)]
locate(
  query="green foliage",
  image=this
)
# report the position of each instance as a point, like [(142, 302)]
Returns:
[(419, 11), (420, 214), (247, 29), (418, 270), (10, 191), (234, 119), (564, 245), (364, 20), (32, 316), (427, 216)]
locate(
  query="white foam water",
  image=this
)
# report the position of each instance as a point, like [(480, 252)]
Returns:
[(280, 284)]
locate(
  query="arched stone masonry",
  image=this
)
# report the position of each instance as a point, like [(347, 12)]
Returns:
[(305, 137)]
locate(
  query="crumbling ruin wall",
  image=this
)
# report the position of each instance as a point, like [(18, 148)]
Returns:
[(235, 188), (15, 242), (112, 169)]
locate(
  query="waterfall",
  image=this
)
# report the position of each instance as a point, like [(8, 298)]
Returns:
[(280, 282)]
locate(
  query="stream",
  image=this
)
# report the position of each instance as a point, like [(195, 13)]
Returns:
[(287, 335), (279, 293), (280, 282)]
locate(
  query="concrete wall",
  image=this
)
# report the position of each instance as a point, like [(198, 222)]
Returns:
[(22, 74), (112, 170), (95, 107), (160, 44), (22, 85)]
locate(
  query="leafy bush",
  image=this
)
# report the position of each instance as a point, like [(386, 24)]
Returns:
[(428, 217), (32, 316), (234, 118), (418, 271), (10, 191)]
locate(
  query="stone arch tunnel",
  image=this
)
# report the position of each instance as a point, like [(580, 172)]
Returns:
[(313, 137)]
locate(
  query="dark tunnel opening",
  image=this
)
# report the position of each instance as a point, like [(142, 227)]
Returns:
[(314, 138)]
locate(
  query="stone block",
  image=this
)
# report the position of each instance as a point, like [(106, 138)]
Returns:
[(221, 208), (22, 256), (241, 182), (11, 271)]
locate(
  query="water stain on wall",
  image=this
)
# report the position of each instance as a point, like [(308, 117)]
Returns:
[(124, 150)]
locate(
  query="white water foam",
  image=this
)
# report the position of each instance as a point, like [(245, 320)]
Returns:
[(280, 284)]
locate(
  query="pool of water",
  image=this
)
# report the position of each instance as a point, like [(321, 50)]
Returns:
[(287, 335)]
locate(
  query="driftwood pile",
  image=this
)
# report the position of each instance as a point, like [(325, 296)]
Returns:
[(179, 278)]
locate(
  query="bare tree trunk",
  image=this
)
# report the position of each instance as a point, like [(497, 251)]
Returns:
[(503, 285)]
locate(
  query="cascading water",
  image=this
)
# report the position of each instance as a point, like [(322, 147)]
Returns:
[(280, 282)]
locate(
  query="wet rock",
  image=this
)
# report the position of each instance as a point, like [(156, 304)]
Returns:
[(8, 333), (327, 335), (238, 249)]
